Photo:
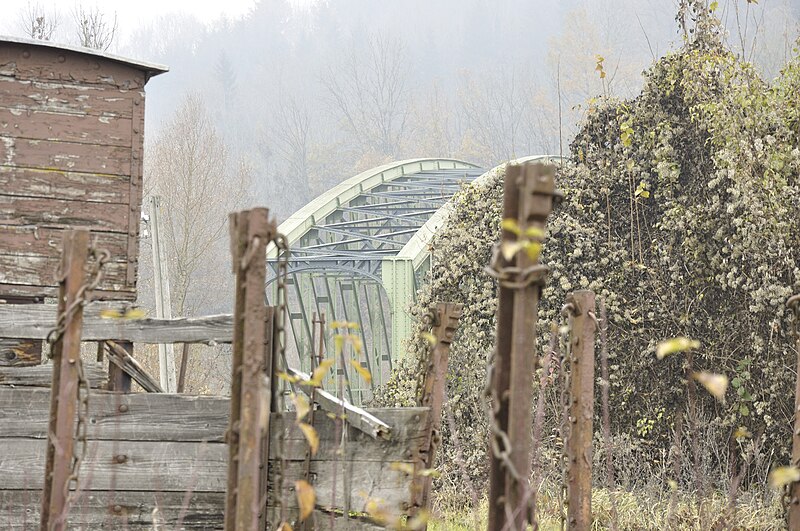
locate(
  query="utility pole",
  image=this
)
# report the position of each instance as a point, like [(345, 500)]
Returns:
[(166, 353)]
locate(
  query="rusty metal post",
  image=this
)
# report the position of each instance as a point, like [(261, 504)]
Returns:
[(250, 232), (444, 321), (536, 196), (794, 488), (64, 387), (502, 358), (583, 323)]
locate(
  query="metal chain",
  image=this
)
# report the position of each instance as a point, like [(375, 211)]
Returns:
[(564, 425), (102, 257), (500, 442), (282, 244)]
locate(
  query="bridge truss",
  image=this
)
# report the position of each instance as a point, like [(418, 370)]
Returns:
[(358, 254)]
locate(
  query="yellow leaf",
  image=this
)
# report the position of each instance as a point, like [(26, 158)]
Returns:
[(301, 405), (742, 433), (673, 485), (376, 509), (405, 468), (358, 346), (285, 527), (430, 338), (676, 344), (319, 373), (338, 344), (419, 521), (511, 226), (534, 232), (533, 250), (108, 313), (716, 384), (311, 436), (364, 373), (306, 497), (288, 377), (510, 249), (135, 313), (426, 472), (783, 475)]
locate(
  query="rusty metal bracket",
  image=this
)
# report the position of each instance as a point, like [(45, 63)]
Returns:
[(444, 320)]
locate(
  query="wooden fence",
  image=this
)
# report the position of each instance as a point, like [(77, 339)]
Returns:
[(155, 460)]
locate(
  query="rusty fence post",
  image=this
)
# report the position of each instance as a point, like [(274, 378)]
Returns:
[(582, 325), (65, 385), (250, 232), (536, 197), (443, 319), (794, 488), (502, 358)]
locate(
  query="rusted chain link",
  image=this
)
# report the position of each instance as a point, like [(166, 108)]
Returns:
[(83, 295), (282, 244), (102, 257), (564, 429), (501, 449)]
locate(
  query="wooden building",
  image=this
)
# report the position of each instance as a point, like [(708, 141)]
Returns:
[(71, 141)]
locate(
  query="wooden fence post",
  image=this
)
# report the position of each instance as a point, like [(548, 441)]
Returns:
[(250, 402), (582, 326), (502, 358), (794, 488), (444, 321), (65, 385), (536, 196)]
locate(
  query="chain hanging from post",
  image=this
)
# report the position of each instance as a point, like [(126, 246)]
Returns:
[(564, 424), (282, 244), (520, 277), (792, 496), (55, 510)]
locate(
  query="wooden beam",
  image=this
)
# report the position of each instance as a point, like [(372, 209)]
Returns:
[(355, 416), (42, 375), (166, 352), (125, 362), (118, 379), (34, 321)]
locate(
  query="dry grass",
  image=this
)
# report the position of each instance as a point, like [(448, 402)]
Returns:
[(638, 511)]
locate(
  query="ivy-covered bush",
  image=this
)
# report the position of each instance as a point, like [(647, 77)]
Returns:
[(682, 210)]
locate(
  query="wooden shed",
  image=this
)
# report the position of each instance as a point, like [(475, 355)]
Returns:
[(71, 141)]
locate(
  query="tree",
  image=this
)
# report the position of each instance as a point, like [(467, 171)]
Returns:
[(368, 92), (191, 170), (37, 23), (93, 29)]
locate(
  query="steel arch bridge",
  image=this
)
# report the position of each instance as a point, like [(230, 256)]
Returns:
[(359, 253)]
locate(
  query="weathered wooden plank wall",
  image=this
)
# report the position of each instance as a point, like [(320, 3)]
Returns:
[(36, 320), (71, 141), (160, 458)]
